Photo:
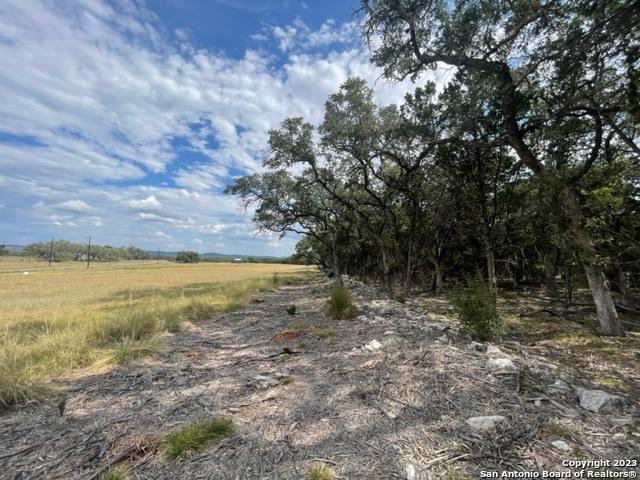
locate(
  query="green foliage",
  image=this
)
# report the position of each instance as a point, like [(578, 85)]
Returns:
[(340, 305), (400, 297), (476, 308), (323, 333), (187, 257), (195, 436), (4, 250), (291, 309), (115, 473), (61, 405), (287, 380)]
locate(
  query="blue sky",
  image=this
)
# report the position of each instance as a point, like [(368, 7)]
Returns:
[(124, 120)]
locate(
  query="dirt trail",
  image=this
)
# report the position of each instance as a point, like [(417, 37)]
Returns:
[(366, 414)]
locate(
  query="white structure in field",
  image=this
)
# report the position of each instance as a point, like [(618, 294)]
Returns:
[(238, 260)]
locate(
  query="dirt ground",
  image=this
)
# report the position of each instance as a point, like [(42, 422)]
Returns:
[(302, 389)]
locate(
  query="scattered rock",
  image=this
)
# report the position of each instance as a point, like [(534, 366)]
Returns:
[(389, 332), (410, 471), (558, 387), (618, 437), (621, 422), (561, 445), (493, 350), (443, 339), (500, 365), (478, 347), (599, 401), (485, 424), (181, 381), (373, 345), (437, 326)]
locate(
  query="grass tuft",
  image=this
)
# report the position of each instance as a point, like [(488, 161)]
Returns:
[(128, 349), (193, 437), (340, 305), (115, 473), (320, 471)]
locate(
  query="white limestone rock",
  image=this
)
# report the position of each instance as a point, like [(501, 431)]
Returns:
[(478, 347), (485, 424), (558, 387), (410, 471), (502, 365), (493, 350), (561, 445), (599, 401)]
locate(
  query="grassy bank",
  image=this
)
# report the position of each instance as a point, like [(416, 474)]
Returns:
[(57, 320)]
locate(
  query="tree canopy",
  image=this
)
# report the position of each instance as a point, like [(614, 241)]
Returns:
[(524, 164)]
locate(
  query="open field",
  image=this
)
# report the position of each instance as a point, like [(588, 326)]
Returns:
[(66, 317)]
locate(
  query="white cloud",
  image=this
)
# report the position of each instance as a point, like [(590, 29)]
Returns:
[(101, 100), (149, 203), (74, 206)]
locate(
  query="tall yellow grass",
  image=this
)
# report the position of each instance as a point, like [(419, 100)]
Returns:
[(59, 319)]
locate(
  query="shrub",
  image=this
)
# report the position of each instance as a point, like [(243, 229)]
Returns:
[(194, 436), (476, 308), (340, 305), (400, 298), (291, 309)]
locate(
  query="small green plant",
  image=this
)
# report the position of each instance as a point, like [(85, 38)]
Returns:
[(61, 405), (291, 309), (303, 344), (275, 279), (476, 308), (193, 437), (556, 429), (115, 473), (452, 474), (320, 471), (323, 333), (340, 305), (297, 325), (400, 298), (287, 380)]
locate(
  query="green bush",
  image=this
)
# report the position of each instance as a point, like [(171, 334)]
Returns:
[(340, 305), (476, 308)]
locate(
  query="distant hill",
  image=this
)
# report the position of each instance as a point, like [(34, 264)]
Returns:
[(211, 255)]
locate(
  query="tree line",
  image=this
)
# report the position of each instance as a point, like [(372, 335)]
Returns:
[(64, 251), (525, 165)]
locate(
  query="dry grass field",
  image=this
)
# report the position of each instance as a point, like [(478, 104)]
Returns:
[(58, 319)]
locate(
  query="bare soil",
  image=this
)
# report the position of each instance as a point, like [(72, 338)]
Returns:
[(302, 389)]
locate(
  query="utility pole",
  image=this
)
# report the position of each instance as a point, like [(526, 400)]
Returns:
[(51, 251), (89, 252)]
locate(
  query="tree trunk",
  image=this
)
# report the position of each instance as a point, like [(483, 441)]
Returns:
[(610, 324), (439, 277), (625, 287), (386, 272), (337, 273), (491, 263), (550, 273), (407, 285)]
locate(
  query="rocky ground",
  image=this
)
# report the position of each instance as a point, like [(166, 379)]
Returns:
[(397, 392)]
